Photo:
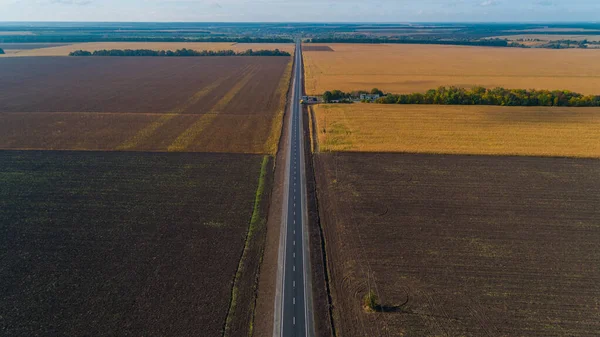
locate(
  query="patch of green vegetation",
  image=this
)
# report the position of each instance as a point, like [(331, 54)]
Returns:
[(337, 135), (371, 302), (255, 222)]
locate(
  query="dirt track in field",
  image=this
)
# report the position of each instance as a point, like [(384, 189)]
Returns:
[(123, 243), (480, 246)]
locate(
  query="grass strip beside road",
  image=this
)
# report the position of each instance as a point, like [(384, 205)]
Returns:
[(255, 222), (186, 138)]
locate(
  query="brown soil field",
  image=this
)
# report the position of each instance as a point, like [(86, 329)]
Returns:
[(475, 245), (492, 130), (316, 48), (416, 68), (220, 104), (91, 46), (126, 243), (126, 84), (74, 131)]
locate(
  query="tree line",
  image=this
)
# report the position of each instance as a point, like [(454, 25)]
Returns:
[(480, 96), (178, 52)]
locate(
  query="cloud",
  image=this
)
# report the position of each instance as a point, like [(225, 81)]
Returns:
[(489, 3), (544, 3), (71, 2)]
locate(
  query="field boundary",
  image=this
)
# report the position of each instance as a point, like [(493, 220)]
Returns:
[(318, 249), (314, 131), (318, 256), (253, 228), (264, 305), (462, 154)]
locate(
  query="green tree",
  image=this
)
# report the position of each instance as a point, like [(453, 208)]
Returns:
[(376, 91)]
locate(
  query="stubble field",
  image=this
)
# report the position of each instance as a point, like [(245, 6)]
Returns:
[(123, 243), (490, 130), (462, 245), (64, 50), (212, 104), (417, 68)]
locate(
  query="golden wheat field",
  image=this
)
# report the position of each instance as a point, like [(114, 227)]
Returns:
[(485, 130), (416, 68), (91, 46)]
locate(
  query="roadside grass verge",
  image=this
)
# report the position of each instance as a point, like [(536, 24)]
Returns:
[(257, 223)]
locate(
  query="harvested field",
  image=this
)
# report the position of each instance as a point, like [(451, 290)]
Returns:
[(480, 246), (416, 68), (125, 243), (29, 46), (230, 104), (545, 37), (493, 130), (91, 46), (316, 48)]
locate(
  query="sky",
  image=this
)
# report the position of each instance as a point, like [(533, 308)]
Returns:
[(302, 10)]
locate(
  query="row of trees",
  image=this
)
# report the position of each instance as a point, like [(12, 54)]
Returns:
[(482, 96), (179, 52)]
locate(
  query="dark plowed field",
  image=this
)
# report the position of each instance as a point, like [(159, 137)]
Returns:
[(133, 84), (140, 244), (316, 48), (198, 104), (479, 246)]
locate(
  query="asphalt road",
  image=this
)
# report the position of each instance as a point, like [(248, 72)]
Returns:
[(293, 303)]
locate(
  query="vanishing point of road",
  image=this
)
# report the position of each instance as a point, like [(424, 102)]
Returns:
[(293, 299)]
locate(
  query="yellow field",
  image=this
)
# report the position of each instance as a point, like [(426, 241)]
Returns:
[(414, 68), (65, 50), (490, 130)]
